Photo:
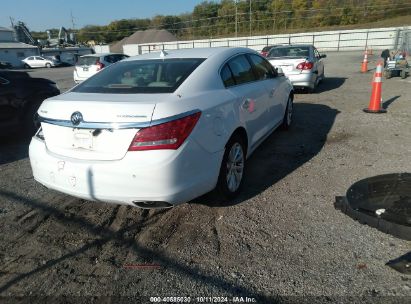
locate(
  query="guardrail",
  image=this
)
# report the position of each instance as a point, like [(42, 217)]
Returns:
[(325, 41)]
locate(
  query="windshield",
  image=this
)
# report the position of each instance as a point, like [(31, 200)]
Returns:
[(143, 76), (290, 51)]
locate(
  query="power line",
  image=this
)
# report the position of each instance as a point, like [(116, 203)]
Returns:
[(165, 25)]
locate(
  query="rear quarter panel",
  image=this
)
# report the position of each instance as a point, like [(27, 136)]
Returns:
[(219, 116)]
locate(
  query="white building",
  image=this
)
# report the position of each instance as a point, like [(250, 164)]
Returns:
[(12, 51)]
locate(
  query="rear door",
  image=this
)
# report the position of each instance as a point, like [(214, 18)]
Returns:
[(275, 94), (251, 96), (39, 61)]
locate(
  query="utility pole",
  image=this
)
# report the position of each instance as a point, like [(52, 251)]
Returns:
[(72, 20), (275, 16), (11, 21), (236, 17), (250, 17)]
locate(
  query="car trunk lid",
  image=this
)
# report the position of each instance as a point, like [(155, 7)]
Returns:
[(288, 65), (108, 126)]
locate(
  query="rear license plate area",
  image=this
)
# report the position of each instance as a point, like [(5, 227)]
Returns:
[(286, 68), (82, 139)]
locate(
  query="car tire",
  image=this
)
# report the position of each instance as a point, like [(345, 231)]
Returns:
[(230, 179), (387, 74), (26, 66), (288, 114), (403, 74), (48, 65), (311, 90)]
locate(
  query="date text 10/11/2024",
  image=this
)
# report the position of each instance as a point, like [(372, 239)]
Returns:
[(202, 299)]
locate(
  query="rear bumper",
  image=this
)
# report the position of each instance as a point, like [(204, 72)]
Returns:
[(77, 78), (172, 176), (302, 79)]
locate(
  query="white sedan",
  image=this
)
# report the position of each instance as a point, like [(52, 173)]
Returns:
[(38, 62), (161, 129)]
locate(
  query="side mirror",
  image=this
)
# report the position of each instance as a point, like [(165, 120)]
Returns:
[(323, 56), (279, 72)]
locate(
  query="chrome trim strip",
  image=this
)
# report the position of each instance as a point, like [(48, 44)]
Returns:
[(113, 125)]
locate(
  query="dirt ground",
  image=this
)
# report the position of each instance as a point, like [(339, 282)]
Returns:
[(282, 240)]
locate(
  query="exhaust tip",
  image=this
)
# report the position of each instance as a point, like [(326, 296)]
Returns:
[(152, 205)]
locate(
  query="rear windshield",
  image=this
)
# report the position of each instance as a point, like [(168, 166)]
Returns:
[(87, 60), (141, 76), (290, 51)]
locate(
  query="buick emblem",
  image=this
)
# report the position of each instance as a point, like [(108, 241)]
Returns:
[(76, 118)]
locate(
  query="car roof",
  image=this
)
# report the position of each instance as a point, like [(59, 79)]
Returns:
[(192, 53), (291, 45)]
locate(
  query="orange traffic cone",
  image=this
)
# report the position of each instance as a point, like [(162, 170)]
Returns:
[(376, 99), (364, 65)]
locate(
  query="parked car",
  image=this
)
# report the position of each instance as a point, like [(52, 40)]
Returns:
[(302, 64), (5, 65), (20, 97), (264, 52), (38, 62), (161, 128), (55, 59), (88, 65)]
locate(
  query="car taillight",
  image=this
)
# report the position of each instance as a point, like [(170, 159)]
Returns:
[(305, 65), (169, 135), (99, 65)]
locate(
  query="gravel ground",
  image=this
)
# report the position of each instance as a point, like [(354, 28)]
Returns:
[(280, 241)]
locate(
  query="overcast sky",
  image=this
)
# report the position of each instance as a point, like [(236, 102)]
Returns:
[(40, 15)]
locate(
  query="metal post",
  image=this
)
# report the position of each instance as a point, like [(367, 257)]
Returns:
[(313, 39), (339, 39), (250, 18), (366, 41)]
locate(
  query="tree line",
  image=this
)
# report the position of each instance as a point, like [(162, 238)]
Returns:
[(230, 18)]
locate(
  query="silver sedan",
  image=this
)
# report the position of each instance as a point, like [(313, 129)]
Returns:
[(302, 64)]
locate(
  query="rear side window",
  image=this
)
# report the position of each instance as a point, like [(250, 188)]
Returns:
[(262, 68), (141, 76), (87, 60), (317, 54), (290, 51), (227, 76), (241, 69), (114, 58)]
